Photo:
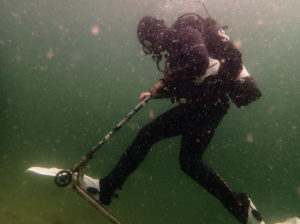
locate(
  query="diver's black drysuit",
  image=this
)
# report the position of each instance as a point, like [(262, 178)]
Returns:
[(197, 119)]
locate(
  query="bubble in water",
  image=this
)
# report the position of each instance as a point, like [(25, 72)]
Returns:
[(95, 30)]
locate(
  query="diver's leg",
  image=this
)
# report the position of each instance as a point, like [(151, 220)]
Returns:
[(196, 138), (166, 125), (192, 164), (192, 148)]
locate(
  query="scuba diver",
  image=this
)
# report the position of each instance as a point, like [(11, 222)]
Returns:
[(203, 69)]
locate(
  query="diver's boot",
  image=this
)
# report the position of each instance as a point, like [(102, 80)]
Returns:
[(253, 216), (107, 191), (98, 189), (90, 185), (245, 211)]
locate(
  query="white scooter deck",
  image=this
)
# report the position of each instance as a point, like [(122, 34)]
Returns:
[(96, 204), (86, 182), (92, 182), (293, 220)]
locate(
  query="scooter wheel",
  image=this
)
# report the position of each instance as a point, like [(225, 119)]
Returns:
[(63, 178)]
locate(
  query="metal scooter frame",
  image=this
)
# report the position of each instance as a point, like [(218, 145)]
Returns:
[(64, 177)]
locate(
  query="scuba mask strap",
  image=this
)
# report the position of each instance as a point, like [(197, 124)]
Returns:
[(158, 67), (204, 6), (157, 58), (225, 27)]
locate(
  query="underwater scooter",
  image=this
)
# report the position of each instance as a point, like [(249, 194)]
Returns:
[(83, 182), (64, 177)]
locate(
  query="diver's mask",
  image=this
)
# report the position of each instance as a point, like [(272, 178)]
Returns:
[(157, 57), (148, 48)]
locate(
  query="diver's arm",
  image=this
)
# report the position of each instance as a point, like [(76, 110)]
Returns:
[(220, 47), (230, 58), (157, 91)]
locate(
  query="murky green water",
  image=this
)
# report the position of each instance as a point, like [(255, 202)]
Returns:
[(70, 70)]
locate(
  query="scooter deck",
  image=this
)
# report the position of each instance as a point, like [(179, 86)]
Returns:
[(96, 204)]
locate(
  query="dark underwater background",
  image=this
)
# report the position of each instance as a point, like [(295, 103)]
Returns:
[(70, 70)]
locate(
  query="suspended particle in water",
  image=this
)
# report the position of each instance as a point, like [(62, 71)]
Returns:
[(260, 23), (15, 15), (151, 114), (270, 166), (270, 110), (223, 60), (238, 44), (294, 127), (249, 138), (132, 126), (50, 54), (43, 68), (80, 94), (95, 30)]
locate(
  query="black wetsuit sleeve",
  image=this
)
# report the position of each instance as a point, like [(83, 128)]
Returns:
[(193, 50), (242, 91), (230, 58), (224, 50), (187, 52)]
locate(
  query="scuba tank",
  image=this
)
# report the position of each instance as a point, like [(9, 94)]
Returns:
[(242, 90)]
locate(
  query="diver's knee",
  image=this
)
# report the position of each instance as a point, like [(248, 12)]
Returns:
[(189, 164), (185, 165), (145, 132)]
